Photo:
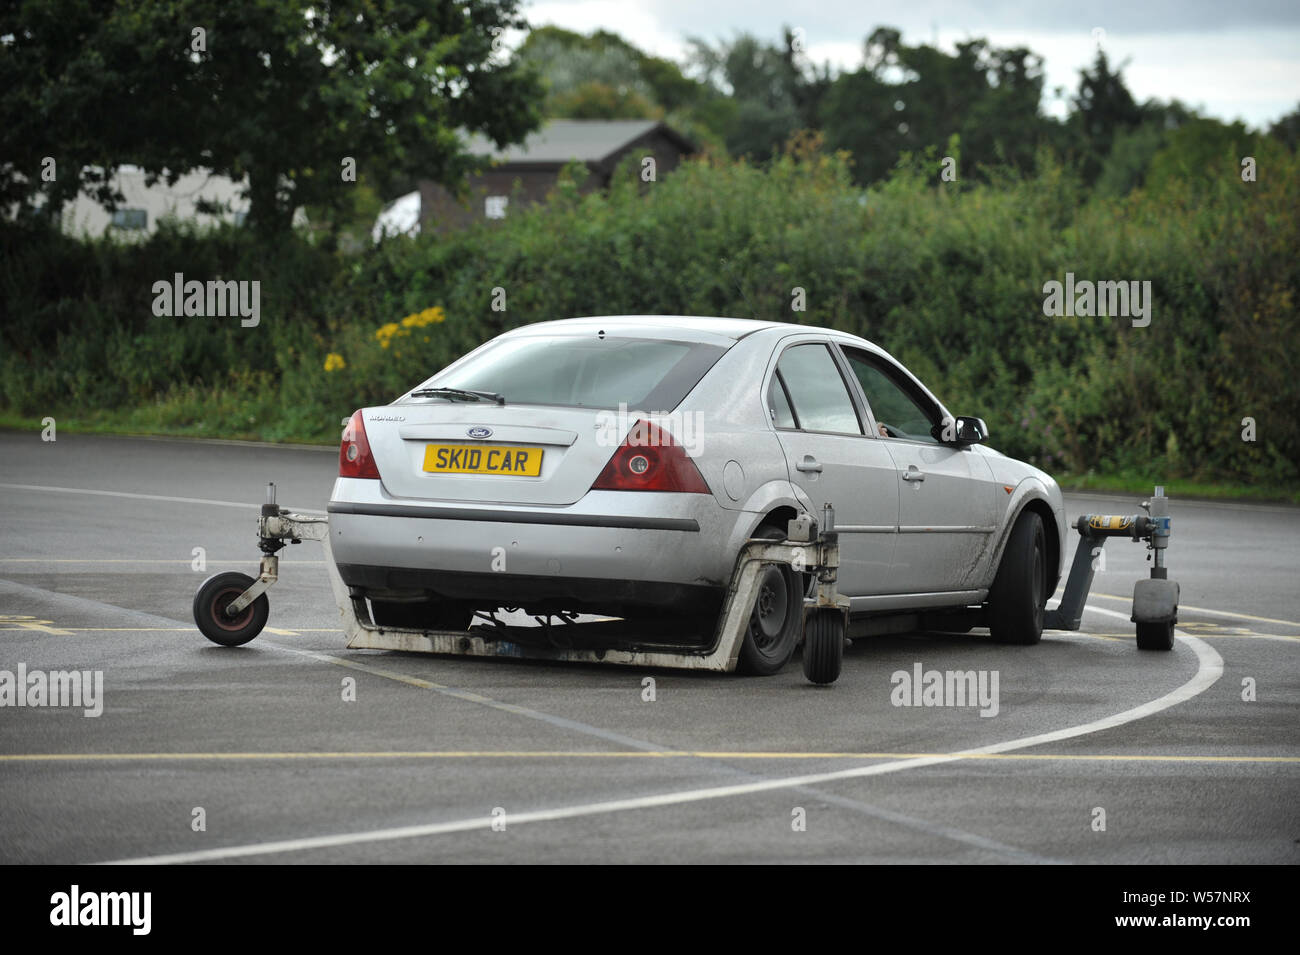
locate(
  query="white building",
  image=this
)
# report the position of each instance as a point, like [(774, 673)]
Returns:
[(145, 205)]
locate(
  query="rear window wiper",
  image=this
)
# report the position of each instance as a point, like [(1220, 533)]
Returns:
[(458, 394)]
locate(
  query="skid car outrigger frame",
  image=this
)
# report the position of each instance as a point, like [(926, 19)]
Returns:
[(231, 608)]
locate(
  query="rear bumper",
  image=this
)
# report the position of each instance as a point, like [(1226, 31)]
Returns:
[(610, 552)]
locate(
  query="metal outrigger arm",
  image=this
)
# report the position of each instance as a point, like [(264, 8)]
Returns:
[(1155, 600)]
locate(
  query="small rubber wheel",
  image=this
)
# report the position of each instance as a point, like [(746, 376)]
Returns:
[(217, 593), (1155, 636), (1018, 597), (773, 629), (823, 646)]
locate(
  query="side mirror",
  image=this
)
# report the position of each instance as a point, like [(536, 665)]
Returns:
[(962, 430)]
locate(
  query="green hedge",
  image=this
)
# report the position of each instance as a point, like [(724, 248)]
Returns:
[(947, 277)]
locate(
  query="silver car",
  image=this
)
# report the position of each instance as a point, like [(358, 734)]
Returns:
[(618, 465)]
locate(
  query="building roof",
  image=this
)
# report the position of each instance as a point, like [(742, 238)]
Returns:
[(562, 140)]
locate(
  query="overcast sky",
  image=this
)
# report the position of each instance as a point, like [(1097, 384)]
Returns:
[(1233, 60)]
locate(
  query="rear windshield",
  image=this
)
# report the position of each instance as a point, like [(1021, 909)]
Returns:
[(587, 372)]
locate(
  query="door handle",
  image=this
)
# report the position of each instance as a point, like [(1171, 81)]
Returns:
[(809, 463), (913, 473)]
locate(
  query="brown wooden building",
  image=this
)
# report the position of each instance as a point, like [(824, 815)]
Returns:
[(526, 172)]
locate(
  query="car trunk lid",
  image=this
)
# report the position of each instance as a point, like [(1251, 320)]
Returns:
[(485, 453)]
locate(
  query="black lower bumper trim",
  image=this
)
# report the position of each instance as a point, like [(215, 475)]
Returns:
[(616, 597)]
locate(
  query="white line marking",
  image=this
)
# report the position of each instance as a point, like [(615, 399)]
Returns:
[(1209, 669), (1218, 613), (146, 497)]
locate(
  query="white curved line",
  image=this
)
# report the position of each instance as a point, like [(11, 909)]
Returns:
[(1209, 669)]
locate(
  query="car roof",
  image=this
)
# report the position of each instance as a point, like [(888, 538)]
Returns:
[(692, 328), (685, 327)]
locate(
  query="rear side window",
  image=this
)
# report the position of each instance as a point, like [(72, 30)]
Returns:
[(587, 372), (817, 391), (778, 405)]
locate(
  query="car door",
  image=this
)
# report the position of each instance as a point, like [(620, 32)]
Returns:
[(832, 458), (947, 501)]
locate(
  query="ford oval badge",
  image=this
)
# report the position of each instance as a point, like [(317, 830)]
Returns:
[(479, 432)]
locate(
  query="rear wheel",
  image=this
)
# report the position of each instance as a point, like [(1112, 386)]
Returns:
[(1018, 597), (773, 628)]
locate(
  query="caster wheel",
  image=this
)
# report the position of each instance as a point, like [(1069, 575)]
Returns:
[(215, 594), (1155, 636), (823, 646)]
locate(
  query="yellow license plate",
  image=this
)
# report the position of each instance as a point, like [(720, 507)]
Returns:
[(482, 459)]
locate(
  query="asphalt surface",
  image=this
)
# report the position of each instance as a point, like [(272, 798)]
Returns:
[(572, 763)]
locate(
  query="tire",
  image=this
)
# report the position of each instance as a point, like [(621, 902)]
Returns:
[(823, 646), (214, 595), (773, 629), (1018, 597), (423, 614), (1155, 636)]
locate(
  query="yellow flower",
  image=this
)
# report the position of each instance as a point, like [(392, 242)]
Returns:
[(430, 316), (334, 361)]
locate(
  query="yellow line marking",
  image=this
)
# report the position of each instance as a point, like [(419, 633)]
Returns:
[(283, 633), (634, 754), (31, 623)]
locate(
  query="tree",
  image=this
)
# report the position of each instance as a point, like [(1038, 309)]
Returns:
[(911, 98), (1103, 107), (1287, 129), (775, 94), (603, 76), (278, 94)]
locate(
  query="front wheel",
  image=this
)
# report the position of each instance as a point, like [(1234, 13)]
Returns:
[(1018, 597), (210, 603)]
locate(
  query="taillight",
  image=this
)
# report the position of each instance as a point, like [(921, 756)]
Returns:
[(650, 459), (355, 460)]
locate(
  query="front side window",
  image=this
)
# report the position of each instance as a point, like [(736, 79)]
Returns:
[(896, 409), (818, 396)]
